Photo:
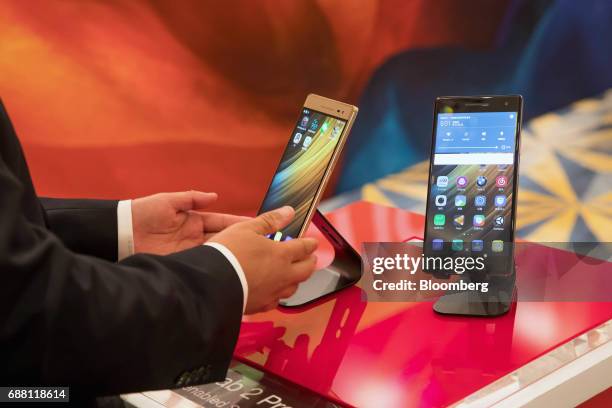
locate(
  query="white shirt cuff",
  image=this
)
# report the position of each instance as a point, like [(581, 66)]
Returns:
[(234, 261), (125, 233)]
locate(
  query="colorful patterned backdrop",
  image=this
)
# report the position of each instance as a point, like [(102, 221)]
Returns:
[(121, 99)]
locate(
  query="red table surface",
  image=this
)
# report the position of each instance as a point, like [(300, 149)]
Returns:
[(393, 354)]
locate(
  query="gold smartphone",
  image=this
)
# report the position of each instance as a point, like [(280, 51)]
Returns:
[(308, 161)]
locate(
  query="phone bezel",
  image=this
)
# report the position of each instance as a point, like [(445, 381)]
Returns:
[(336, 109), (484, 103)]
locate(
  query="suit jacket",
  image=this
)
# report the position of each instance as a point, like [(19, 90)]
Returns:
[(70, 315)]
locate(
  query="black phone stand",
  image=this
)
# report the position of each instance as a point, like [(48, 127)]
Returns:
[(495, 302), (345, 270)]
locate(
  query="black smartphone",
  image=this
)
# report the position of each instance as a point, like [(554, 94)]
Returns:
[(473, 180)]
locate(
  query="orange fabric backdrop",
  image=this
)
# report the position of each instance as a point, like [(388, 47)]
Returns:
[(122, 99)]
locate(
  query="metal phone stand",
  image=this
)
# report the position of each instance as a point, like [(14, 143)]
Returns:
[(495, 302), (345, 269)]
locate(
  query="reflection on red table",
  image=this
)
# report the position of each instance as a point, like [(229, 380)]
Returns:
[(402, 354)]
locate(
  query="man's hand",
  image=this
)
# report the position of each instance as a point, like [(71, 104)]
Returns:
[(170, 222), (273, 269)]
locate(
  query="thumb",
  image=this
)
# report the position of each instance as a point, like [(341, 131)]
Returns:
[(191, 200), (270, 221)]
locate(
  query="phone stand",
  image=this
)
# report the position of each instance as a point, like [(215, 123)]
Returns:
[(345, 269), (495, 302)]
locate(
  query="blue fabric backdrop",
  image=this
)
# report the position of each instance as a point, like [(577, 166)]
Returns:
[(565, 56)]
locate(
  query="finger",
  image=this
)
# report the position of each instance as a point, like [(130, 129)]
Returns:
[(288, 291), (215, 222), (270, 221), (191, 200), (302, 270), (299, 248), (270, 306)]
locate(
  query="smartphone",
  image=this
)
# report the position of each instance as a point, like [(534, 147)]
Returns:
[(473, 180), (308, 160)]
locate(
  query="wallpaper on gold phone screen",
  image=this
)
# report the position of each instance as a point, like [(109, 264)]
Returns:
[(302, 167)]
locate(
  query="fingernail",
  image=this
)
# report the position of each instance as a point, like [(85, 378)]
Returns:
[(311, 244), (286, 211)]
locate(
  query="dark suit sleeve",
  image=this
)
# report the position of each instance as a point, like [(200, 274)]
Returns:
[(148, 322), (84, 226)]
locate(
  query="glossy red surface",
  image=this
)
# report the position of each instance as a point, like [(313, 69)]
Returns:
[(402, 354)]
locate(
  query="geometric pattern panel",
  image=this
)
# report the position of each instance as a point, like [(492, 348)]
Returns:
[(565, 177)]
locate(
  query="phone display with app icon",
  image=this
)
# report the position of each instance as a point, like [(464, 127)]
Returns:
[(474, 166), (308, 160)]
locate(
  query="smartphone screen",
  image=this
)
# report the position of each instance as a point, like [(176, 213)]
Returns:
[(473, 179), (303, 167)]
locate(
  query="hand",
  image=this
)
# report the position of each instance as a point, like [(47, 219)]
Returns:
[(169, 222), (273, 269)]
